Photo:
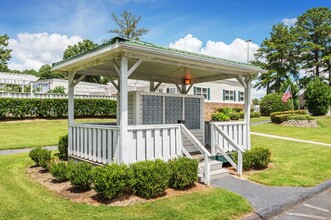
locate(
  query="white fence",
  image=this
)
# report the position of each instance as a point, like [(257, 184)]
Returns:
[(50, 95), (97, 143)]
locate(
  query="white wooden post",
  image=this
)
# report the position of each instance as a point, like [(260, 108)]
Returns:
[(151, 86), (247, 109), (71, 113), (212, 138), (31, 89), (123, 109)]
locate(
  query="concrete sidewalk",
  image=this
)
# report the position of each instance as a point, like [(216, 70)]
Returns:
[(290, 139), (25, 150), (268, 201)]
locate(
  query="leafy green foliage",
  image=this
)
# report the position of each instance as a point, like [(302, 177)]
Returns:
[(285, 117), (34, 154), (273, 103), (234, 116), (318, 97), (255, 115), (59, 171), (112, 180), (295, 112), (276, 54), (55, 108), (219, 117), (256, 158), (184, 172), (128, 26), (63, 147), (41, 157), (80, 175), (45, 72), (150, 178), (80, 47), (4, 53), (57, 90)]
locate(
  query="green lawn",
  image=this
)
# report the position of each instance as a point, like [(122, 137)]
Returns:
[(294, 164), (263, 118), (22, 198), (23, 134), (321, 134)]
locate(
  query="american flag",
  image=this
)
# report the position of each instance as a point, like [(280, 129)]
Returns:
[(287, 94)]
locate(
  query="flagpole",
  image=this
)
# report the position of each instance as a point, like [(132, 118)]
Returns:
[(292, 99)]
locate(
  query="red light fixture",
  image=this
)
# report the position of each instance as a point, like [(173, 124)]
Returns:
[(187, 81)]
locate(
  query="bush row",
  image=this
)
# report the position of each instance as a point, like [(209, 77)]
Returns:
[(54, 108), (281, 118), (146, 179), (292, 112), (273, 103), (226, 114), (256, 158)]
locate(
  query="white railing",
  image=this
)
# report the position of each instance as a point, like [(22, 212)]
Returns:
[(50, 95), (201, 148), (92, 142), (227, 137), (149, 142)]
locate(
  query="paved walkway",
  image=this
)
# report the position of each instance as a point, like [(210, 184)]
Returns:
[(25, 150), (268, 201), (290, 139)]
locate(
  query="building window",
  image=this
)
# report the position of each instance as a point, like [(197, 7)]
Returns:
[(240, 96), (229, 95), (205, 92), (172, 90)]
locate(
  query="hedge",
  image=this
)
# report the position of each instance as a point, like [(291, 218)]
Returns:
[(281, 118), (54, 108), (273, 103), (256, 158), (295, 112)]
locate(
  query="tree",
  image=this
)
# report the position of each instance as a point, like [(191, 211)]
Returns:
[(273, 103), (4, 53), (255, 102), (82, 47), (276, 55), (128, 26), (318, 97), (313, 36), (45, 72), (78, 48), (57, 90)]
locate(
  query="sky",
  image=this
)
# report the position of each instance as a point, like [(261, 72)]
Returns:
[(40, 30)]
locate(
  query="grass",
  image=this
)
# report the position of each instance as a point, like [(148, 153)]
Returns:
[(35, 133), (263, 118), (321, 133), (294, 164), (22, 198)]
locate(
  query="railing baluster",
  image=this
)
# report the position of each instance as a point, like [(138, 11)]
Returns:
[(149, 145), (158, 144)]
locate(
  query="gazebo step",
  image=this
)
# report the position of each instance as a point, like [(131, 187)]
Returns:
[(216, 174)]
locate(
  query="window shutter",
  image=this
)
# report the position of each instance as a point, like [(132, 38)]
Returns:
[(239, 96), (208, 96), (168, 90), (234, 95), (223, 94), (195, 90)]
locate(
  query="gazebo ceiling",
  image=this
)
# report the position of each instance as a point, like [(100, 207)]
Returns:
[(159, 64)]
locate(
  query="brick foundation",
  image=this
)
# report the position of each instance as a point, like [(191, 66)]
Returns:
[(211, 107)]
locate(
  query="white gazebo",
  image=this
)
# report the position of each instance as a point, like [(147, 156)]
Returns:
[(18, 79), (152, 125)]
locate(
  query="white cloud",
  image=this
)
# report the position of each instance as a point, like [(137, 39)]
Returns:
[(188, 43), (31, 51), (237, 50), (289, 21)]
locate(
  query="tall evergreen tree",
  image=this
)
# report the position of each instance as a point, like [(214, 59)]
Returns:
[(128, 26), (276, 55), (4, 53), (313, 33)]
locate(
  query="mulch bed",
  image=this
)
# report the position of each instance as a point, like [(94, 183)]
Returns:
[(90, 197)]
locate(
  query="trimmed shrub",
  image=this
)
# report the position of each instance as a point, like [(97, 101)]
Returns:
[(219, 117), (184, 172), (111, 181), (234, 116), (80, 175), (318, 97), (273, 103), (41, 157), (55, 108), (44, 158), (241, 115), (63, 147), (225, 110), (59, 171), (150, 178), (34, 154), (256, 158), (295, 112), (255, 114), (237, 109), (281, 118)]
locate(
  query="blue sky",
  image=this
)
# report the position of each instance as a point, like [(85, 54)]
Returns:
[(40, 30), (167, 20)]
